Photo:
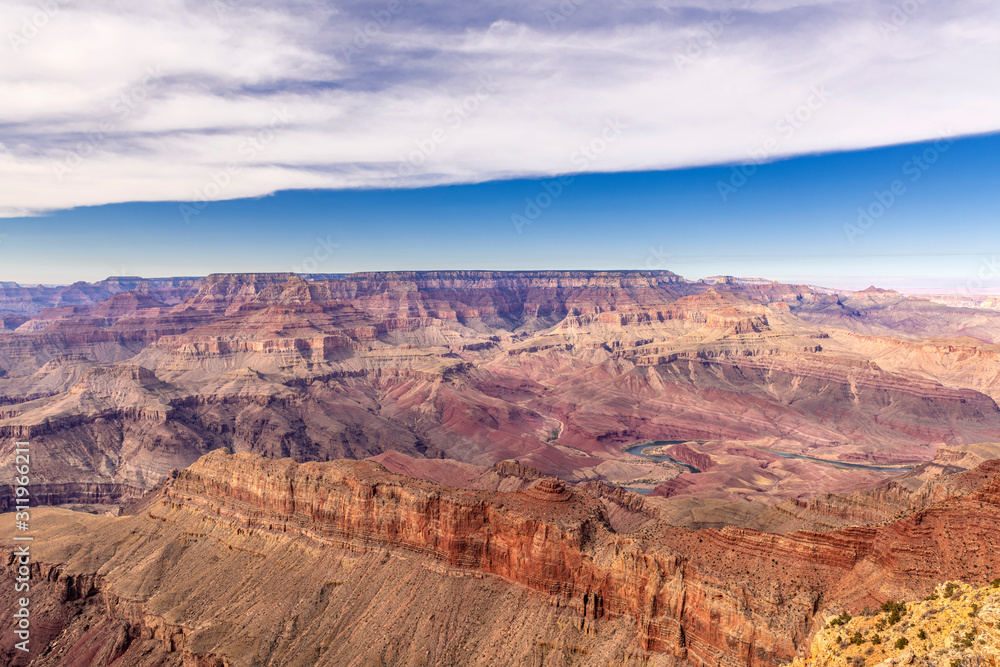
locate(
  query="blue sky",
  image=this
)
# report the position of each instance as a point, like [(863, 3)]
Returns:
[(791, 220), (407, 133)]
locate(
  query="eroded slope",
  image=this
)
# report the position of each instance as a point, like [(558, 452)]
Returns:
[(238, 546)]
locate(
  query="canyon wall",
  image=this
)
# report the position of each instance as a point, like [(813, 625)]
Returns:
[(707, 597), (118, 384)]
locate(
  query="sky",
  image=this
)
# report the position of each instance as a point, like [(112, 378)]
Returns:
[(835, 143)]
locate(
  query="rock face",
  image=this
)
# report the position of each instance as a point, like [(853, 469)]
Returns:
[(887, 312), (957, 624), (233, 527), (952, 472), (120, 382), (25, 300)]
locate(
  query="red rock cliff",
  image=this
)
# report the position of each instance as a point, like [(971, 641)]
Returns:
[(730, 597)]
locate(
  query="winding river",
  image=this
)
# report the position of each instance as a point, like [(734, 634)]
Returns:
[(639, 450), (841, 464)]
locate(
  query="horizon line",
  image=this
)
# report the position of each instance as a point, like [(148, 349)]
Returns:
[(713, 279)]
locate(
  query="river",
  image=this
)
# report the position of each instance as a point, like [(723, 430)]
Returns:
[(840, 464), (639, 450)]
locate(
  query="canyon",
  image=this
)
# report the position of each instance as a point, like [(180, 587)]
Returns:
[(240, 559), (432, 468), (122, 381)]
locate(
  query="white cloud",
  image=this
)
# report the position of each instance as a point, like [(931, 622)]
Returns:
[(107, 102)]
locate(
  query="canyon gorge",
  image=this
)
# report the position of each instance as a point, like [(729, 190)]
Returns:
[(275, 466)]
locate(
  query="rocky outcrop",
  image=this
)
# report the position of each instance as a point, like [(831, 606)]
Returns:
[(956, 624), (889, 313), (708, 597), (28, 299), (953, 472), (73, 494), (695, 595), (507, 475)]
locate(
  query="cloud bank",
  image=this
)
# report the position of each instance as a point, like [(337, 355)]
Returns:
[(107, 101)]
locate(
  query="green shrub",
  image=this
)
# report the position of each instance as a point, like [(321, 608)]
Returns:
[(901, 643), (921, 635), (857, 639), (840, 620), (892, 605), (877, 639), (895, 611), (950, 588), (995, 583)]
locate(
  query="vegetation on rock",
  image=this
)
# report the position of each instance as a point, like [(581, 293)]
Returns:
[(958, 624)]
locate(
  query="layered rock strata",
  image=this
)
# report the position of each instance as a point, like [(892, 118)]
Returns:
[(118, 384), (709, 597)]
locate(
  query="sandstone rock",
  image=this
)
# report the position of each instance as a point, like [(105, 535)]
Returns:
[(731, 597), (956, 624), (481, 367)]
